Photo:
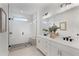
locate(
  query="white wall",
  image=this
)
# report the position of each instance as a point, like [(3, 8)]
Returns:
[(17, 27), (4, 36)]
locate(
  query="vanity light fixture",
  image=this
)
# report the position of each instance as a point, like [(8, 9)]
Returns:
[(64, 4), (47, 15), (21, 11)]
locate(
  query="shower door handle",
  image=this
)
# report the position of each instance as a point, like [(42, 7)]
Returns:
[(22, 33)]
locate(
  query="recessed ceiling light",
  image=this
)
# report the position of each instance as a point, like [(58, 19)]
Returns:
[(20, 19), (44, 22), (21, 11)]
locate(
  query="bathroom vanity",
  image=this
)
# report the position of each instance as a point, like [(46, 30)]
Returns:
[(57, 46), (68, 25)]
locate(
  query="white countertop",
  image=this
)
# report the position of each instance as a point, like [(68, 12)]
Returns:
[(73, 44)]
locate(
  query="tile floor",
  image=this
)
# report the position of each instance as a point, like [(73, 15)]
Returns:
[(25, 51)]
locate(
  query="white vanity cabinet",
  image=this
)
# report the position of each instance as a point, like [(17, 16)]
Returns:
[(42, 44), (57, 49), (65, 53), (69, 51), (38, 42), (53, 48), (65, 50)]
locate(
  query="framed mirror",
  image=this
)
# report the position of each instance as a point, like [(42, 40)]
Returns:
[(63, 26), (3, 18)]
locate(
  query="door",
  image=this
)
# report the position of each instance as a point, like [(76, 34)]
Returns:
[(52, 49), (65, 53), (38, 43), (42, 44), (69, 51)]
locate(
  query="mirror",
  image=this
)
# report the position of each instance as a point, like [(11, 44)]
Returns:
[(3, 20)]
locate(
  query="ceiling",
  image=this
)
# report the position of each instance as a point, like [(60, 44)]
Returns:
[(28, 9)]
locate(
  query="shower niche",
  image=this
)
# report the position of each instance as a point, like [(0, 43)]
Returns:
[(3, 18)]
